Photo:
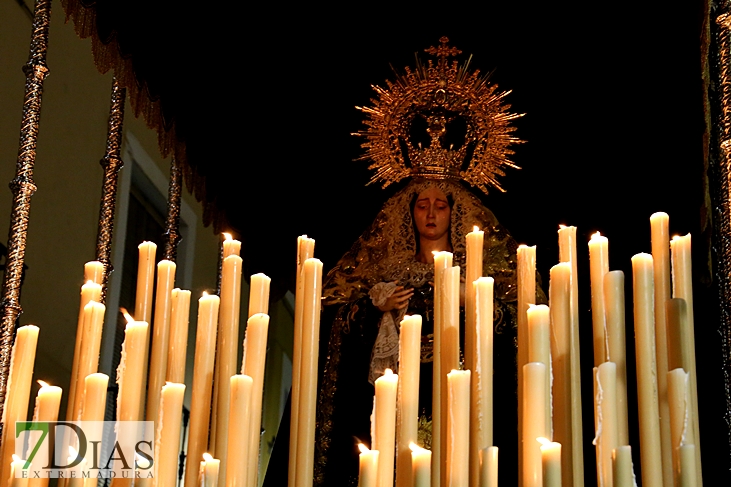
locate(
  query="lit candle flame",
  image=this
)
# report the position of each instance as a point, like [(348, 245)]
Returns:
[(596, 235), (675, 238), (388, 372), (475, 228), (363, 448), (207, 457), (43, 384), (16, 458), (561, 226), (89, 282), (126, 314), (227, 236), (415, 448), (543, 441), (522, 246), (205, 293)]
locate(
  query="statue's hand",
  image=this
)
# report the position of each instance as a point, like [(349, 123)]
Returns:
[(398, 300)]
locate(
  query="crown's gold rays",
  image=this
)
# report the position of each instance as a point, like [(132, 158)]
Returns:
[(439, 121)]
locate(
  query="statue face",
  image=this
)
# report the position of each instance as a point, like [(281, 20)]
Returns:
[(432, 213)]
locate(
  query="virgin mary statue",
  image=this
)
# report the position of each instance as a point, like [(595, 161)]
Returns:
[(441, 125), (446, 128)]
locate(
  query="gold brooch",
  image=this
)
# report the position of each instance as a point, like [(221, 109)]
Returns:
[(439, 121)]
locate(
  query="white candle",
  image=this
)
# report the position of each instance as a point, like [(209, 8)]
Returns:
[(599, 260), (616, 337), (200, 404), (231, 246), (605, 421), (551, 462), (310, 334), (421, 466), (408, 396), (259, 294), (179, 321), (368, 467), (682, 275), (90, 291), (257, 330), (688, 474), (238, 424), (481, 408), (442, 261), (305, 250), (458, 429), (17, 395), (661, 266), (160, 337), (94, 271), (473, 270), (623, 471), (526, 296), (568, 254), (48, 402), (644, 316), (88, 359), (489, 467), (539, 350), (168, 423), (534, 426), (211, 468), (226, 356), (385, 426), (560, 310)]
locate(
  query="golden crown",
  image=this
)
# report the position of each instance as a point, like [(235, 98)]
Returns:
[(439, 121)]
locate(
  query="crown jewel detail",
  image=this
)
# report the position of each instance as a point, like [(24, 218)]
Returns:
[(440, 121)]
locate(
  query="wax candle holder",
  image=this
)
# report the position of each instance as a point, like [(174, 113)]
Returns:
[(22, 186), (111, 164)]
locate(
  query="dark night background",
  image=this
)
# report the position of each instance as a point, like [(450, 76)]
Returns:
[(264, 98)]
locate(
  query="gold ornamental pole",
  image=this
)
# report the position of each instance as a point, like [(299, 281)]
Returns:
[(172, 224), (22, 187), (111, 163)]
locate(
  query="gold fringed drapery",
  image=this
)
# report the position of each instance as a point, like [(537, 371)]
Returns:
[(107, 57), (22, 187)]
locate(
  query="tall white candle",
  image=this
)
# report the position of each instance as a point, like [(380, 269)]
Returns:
[(408, 396), (526, 296), (200, 404), (255, 342), (661, 265), (644, 317), (169, 423), (309, 353), (238, 438), (421, 466), (599, 260), (605, 420), (473, 270), (489, 467), (539, 350), (160, 337), (368, 467), (385, 426), (305, 250), (560, 309), (568, 254), (179, 321), (616, 337), (534, 426), (442, 261), (682, 275), (481, 409), (458, 429)]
